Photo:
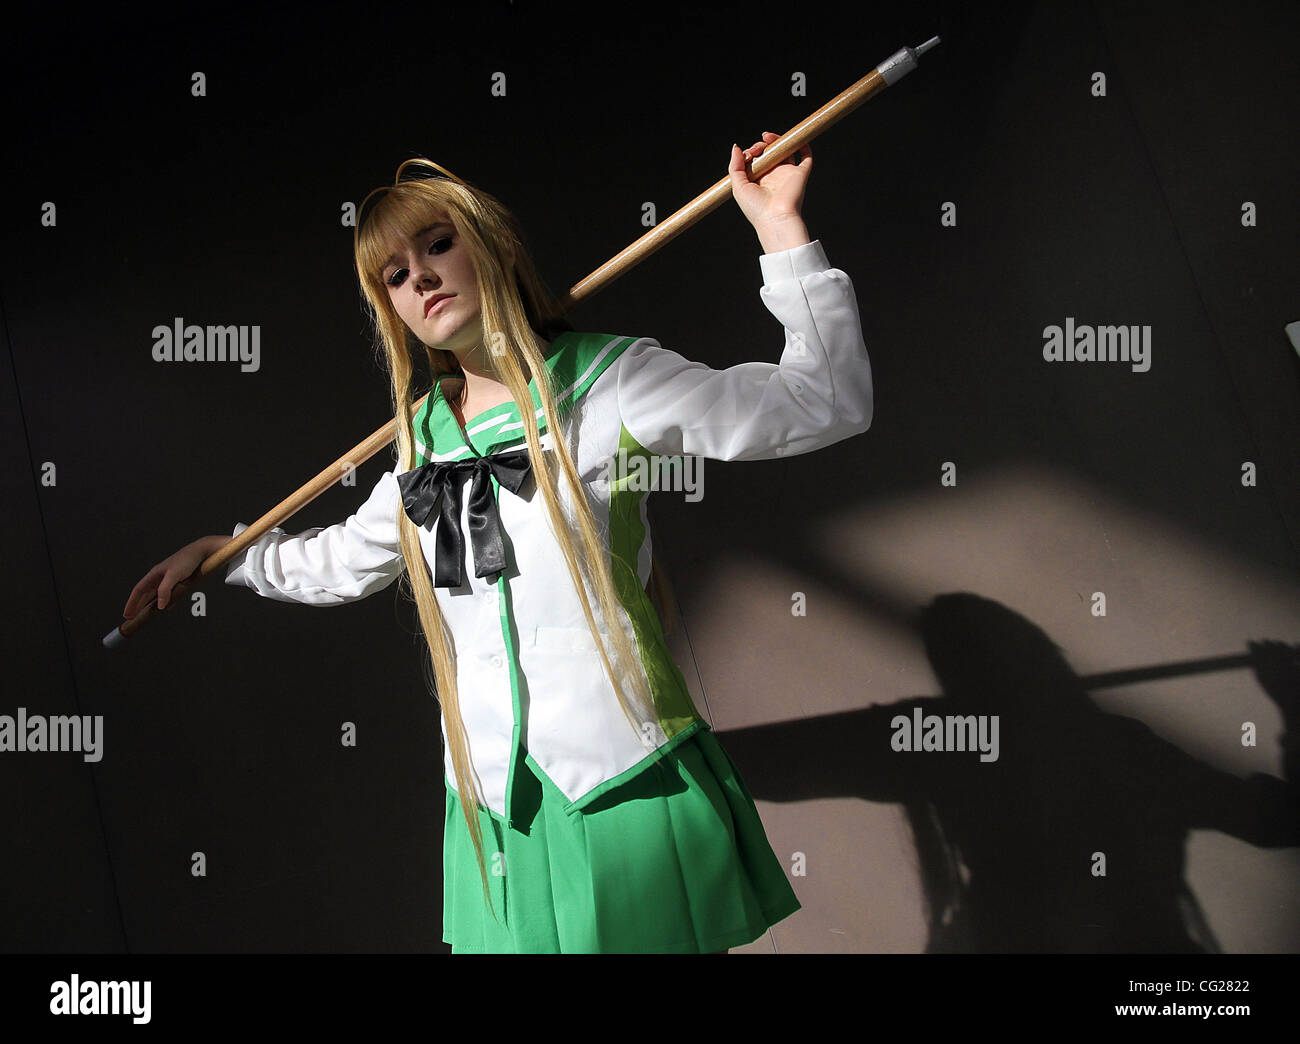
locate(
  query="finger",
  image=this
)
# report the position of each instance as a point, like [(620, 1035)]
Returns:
[(165, 590), (736, 169), (141, 593), (759, 146), (801, 158)]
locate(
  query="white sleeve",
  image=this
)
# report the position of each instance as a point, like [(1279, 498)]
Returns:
[(818, 394), (342, 563)]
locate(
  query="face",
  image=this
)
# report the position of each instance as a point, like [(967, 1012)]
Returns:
[(432, 264)]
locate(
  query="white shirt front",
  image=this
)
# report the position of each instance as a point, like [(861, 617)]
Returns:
[(528, 673)]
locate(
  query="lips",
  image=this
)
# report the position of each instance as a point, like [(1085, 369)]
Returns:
[(430, 304)]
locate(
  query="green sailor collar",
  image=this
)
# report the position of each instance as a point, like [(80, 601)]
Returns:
[(576, 359)]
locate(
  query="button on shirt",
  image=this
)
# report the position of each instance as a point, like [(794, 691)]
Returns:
[(529, 675)]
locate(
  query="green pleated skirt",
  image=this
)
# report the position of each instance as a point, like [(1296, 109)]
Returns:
[(675, 860)]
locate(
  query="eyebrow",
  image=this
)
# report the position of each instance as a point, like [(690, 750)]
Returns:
[(427, 228)]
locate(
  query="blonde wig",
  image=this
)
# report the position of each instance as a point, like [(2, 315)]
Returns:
[(516, 304)]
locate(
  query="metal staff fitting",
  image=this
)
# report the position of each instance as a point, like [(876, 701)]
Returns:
[(886, 74)]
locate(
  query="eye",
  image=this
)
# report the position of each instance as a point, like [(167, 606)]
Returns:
[(435, 247)]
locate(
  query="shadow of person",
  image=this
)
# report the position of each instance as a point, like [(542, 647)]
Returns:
[(1060, 827)]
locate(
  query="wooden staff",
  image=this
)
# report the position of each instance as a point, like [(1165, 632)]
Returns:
[(887, 73)]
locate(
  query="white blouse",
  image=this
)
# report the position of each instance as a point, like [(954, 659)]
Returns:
[(530, 679)]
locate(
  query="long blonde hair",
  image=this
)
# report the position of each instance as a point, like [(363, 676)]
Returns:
[(519, 308)]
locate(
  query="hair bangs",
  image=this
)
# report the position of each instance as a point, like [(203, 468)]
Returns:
[(404, 210)]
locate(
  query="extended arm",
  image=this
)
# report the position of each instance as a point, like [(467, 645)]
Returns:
[(328, 566)]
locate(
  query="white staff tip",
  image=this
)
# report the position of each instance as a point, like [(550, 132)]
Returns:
[(926, 46), (114, 638)]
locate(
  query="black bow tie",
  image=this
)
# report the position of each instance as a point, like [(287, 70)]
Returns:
[(443, 480)]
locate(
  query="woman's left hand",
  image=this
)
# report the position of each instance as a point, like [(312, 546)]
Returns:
[(777, 195)]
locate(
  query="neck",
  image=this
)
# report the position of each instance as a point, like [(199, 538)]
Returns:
[(477, 364), (481, 377)]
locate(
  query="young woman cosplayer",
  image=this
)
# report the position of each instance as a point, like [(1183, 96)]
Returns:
[(590, 809)]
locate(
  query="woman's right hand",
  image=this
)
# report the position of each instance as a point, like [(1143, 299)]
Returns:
[(160, 580), (774, 202)]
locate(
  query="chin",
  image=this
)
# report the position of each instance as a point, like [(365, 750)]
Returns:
[(451, 343)]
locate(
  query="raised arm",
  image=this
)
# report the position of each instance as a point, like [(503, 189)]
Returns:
[(818, 394), (328, 566)]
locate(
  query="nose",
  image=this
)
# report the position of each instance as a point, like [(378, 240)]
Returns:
[(423, 273)]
